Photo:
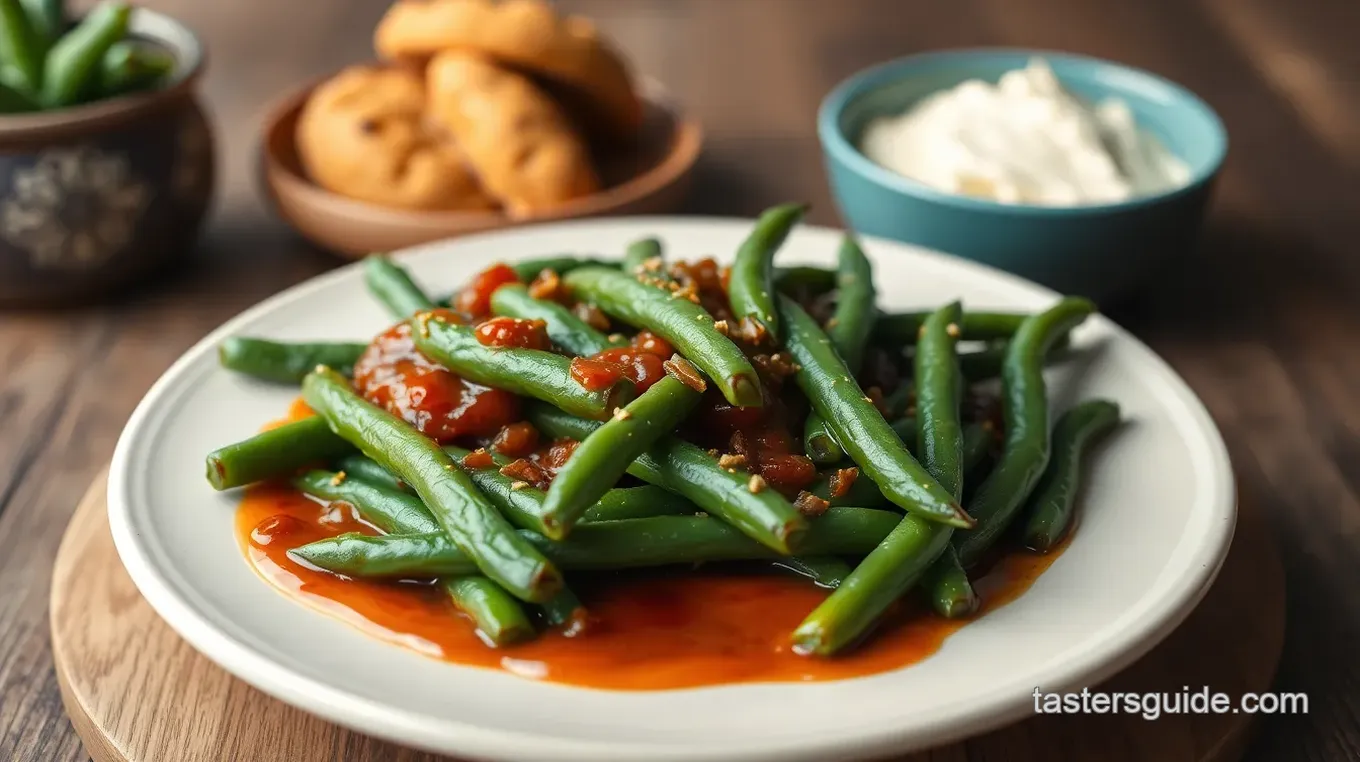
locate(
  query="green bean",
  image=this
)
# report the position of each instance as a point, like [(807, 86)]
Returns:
[(862, 492), (627, 544), (688, 470), (848, 330), (564, 328), (1025, 411), (21, 47), (390, 510), (638, 503), (1050, 507), (604, 456), (566, 611), (684, 324), (392, 285), (528, 372), (817, 280), (827, 571), (750, 287), (521, 505), (530, 268), (858, 425), (985, 364), (13, 100), (277, 452), (639, 253), (951, 594), (915, 544), (903, 328), (369, 470), (286, 362), (978, 440), (47, 19), (466, 516), (71, 71), (499, 618), (128, 68)]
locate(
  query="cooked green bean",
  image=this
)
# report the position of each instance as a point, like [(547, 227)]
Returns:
[(915, 544), (278, 452), (529, 372), (392, 511), (985, 364), (604, 456), (951, 594), (862, 492), (499, 618), (70, 72), (684, 324), (848, 330), (817, 280), (369, 470), (285, 362), (903, 328), (638, 253), (750, 286), (566, 611), (827, 571), (1025, 410), (688, 470), (392, 285), (530, 268), (564, 328), (466, 516), (638, 503), (631, 543), (1050, 507), (858, 425), (521, 504), (978, 440)]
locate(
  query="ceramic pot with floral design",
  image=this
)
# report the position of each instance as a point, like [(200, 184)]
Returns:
[(95, 197)]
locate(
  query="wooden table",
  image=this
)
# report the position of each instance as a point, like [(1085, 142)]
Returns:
[(1262, 322)]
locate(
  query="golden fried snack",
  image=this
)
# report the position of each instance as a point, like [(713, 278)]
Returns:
[(525, 34), (515, 137), (362, 135)]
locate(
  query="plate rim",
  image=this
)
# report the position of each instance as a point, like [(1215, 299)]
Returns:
[(451, 736)]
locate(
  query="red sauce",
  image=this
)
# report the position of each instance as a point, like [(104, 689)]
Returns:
[(648, 630), (595, 375), (475, 298), (518, 333), (393, 374), (516, 440), (642, 362)]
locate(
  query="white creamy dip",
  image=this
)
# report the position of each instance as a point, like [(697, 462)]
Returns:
[(1024, 140)]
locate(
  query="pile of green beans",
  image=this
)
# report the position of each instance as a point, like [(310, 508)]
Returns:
[(917, 488), (46, 63)]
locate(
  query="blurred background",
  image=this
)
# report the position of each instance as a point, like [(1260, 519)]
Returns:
[(1262, 320)]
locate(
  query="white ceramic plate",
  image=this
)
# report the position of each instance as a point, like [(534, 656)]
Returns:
[(1158, 517)]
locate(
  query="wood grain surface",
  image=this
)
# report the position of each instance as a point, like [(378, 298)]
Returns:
[(136, 692), (1262, 321)]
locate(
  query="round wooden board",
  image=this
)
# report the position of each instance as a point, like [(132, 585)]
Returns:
[(137, 693)]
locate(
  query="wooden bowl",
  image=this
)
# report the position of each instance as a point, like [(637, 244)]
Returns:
[(650, 176), (97, 196)]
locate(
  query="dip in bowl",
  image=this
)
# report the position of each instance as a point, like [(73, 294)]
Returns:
[(1097, 242)]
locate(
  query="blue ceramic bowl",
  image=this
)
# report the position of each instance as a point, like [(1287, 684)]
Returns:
[(1103, 251)]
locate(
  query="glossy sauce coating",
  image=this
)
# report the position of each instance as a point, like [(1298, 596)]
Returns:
[(648, 630), (475, 299), (516, 333), (394, 375), (642, 362)]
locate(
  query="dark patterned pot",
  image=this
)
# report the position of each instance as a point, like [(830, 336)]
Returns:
[(95, 197)]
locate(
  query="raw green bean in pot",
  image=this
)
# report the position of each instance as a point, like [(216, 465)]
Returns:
[(1025, 452), (750, 286), (71, 71), (688, 470), (390, 510), (848, 330), (687, 326), (21, 47), (859, 426), (914, 545), (465, 515), (14, 101), (499, 618), (392, 285), (286, 362), (47, 19), (627, 544), (1049, 512), (601, 458), (638, 253), (529, 269), (278, 452), (528, 372), (564, 328), (902, 328), (128, 68)]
